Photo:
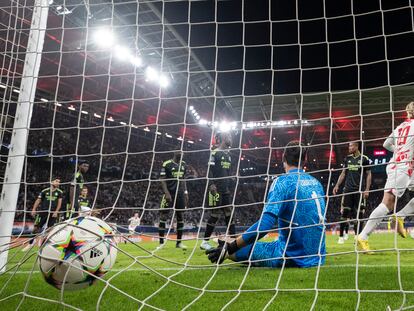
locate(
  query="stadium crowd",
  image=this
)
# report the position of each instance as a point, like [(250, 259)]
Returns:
[(123, 175)]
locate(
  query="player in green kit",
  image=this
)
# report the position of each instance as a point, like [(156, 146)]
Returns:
[(46, 209)]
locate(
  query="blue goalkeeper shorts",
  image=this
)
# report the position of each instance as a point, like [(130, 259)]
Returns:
[(264, 254)]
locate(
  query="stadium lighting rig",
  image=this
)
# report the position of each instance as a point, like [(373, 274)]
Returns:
[(164, 81), (267, 124), (195, 113), (151, 74), (62, 10), (227, 126), (106, 39), (137, 61), (222, 126), (122, 53)]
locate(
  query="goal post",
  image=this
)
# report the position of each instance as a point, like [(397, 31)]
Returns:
[(17, 152)]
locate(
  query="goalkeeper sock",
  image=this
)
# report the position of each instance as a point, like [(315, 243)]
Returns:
[(346, 227), (407, 210), (211, 223), (161, 231), (374, 219), (180, 228)]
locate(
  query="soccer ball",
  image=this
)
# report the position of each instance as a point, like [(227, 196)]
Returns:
[(77, 251)]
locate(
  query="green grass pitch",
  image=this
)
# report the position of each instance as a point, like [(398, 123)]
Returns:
[(180, 279)]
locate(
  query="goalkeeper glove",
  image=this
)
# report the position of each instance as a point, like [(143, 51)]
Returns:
[(219, 254)]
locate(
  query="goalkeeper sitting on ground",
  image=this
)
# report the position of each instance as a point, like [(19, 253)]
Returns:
[(296, 202)]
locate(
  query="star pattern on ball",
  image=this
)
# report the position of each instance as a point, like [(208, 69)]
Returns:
[(70, 247)]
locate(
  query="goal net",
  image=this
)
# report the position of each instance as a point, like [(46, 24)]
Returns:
[(126, 86)]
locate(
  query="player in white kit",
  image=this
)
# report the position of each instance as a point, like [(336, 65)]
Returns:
[(134, 222), (399, 178)]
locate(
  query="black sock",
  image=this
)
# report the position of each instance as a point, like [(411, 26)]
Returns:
[(211, 223), (346, 227), (341, 229), (161, 231), (180, 229), (232, 227), (33, 238), (358, 226), (361, 227), (232, 230)]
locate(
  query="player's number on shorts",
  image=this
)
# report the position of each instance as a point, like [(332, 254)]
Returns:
[(403, 135), (318, 205)]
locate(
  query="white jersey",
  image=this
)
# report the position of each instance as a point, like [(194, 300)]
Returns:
[(401, 141), (134, 222)]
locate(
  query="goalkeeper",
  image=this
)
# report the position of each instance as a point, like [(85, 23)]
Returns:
[(296, 202)]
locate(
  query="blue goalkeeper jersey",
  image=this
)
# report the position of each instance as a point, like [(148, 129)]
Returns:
[(298, 200)]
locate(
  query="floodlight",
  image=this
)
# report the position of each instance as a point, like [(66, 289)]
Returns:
[(137, 61), (151, 74), (224, 126), (164, 82), (122, 53), (104, 37)]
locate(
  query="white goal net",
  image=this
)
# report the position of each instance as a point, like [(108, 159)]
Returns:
[(144, 93)]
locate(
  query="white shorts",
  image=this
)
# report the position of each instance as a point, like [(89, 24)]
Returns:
[(398, 180), (131, 229), (84, 211)]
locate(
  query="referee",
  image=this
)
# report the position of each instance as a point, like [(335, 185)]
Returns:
[(355, 164)]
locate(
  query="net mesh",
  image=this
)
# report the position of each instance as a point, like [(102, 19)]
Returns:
[(124, 84)]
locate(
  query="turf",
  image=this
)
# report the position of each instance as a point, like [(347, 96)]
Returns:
[(178, 279)]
